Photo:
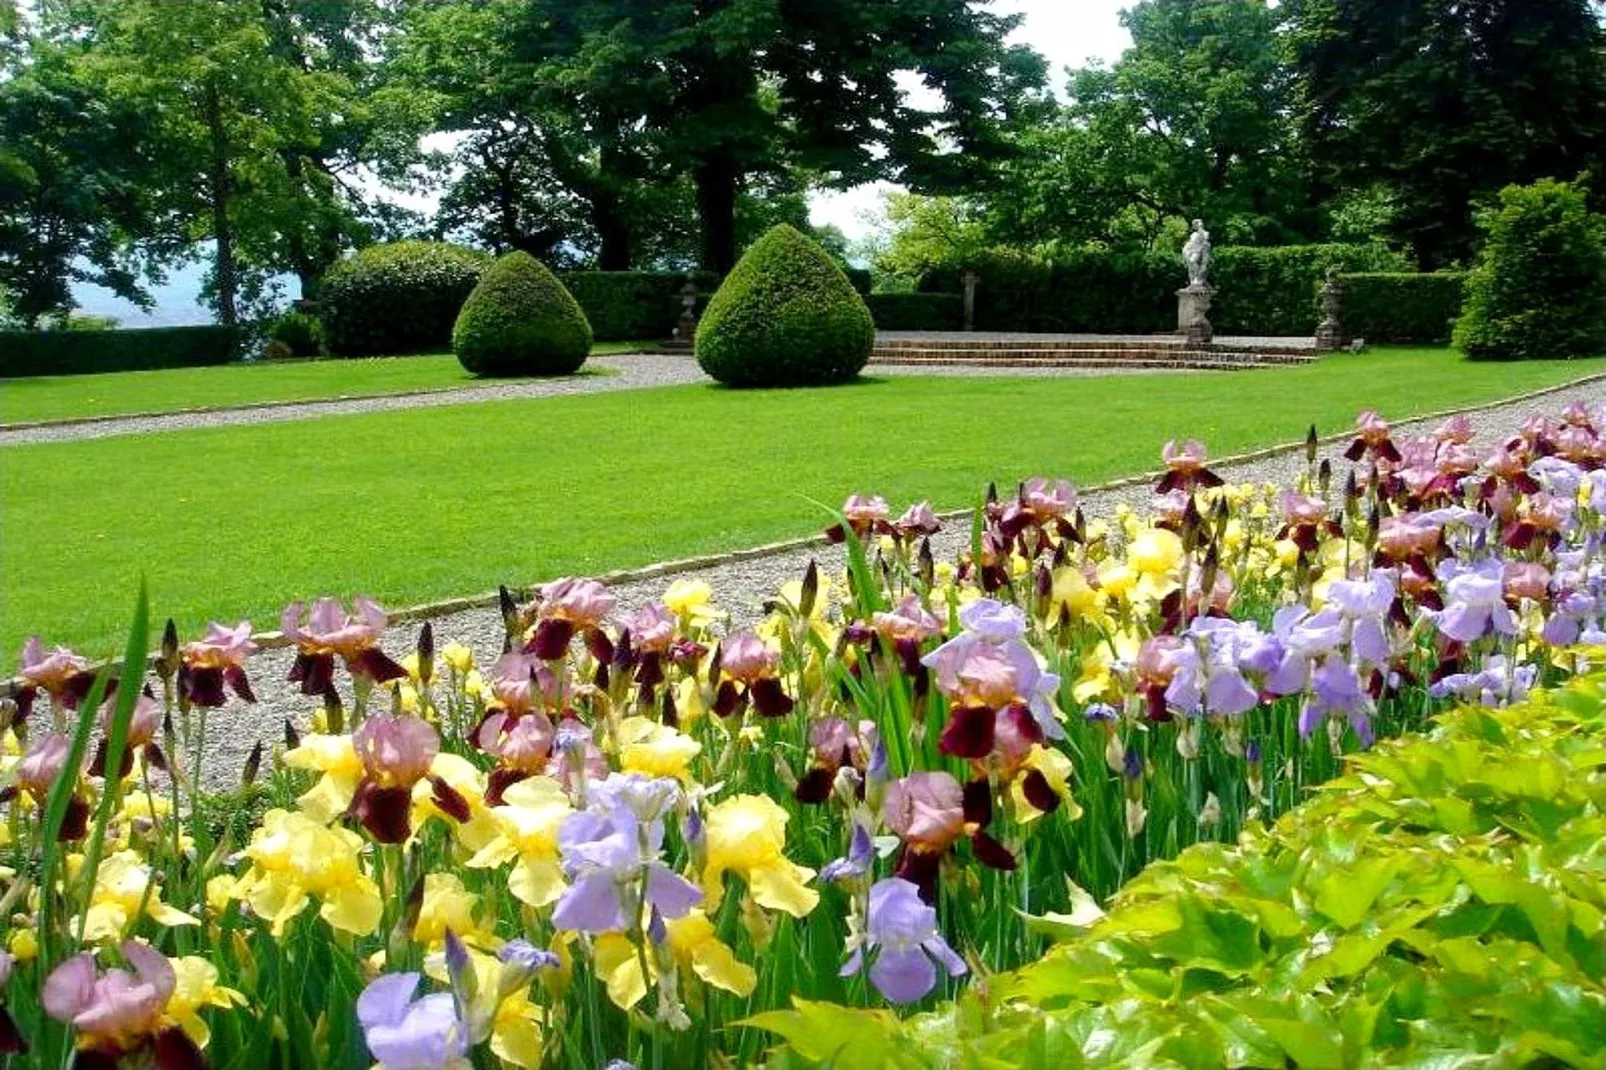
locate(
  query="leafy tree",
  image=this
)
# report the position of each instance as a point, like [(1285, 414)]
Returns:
[(1447, 102), (914, 234)]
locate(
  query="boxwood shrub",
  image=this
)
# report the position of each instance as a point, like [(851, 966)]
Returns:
[(397, 298), (785, 316), (519, 320), (630, 306), (1539, 289), (917, 311), (300, 333), (27, 353), (1393, 306)]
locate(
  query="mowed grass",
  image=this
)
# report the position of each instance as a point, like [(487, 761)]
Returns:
[(65, 397), (422, 504)]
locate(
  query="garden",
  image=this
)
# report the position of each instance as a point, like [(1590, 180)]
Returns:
[(577, 633)]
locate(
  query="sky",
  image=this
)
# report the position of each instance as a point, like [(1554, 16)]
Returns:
[(1070, 33)]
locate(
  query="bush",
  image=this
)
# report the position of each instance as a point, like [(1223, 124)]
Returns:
[(1402, 306), (860, 279), (1260, 291), (24, 353), (785, 316), (301, 333), (1539, 289), (917, 311), (520, 320), (628, 306), (397, 298)]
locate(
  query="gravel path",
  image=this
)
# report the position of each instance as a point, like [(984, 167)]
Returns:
[(635, 371), (740, 587)]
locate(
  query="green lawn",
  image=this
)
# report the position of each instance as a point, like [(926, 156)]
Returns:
[(422, 504), (62, 397)]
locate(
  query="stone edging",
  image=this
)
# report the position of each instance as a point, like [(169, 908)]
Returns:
[(445, 607)]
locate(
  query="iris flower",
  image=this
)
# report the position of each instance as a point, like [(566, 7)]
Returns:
[(746, 835), (295, 859), (902, 936), (121, 1012), (326, 631), (219, 658), (407, 1033)]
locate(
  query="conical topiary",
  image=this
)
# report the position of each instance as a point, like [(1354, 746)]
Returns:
[(785, 316), (520, 320)]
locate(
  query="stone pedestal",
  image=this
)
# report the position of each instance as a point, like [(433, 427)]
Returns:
[(968, 278), (1330, 333), (1193, 306)]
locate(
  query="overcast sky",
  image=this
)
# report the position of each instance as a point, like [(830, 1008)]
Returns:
[(1069, 32)]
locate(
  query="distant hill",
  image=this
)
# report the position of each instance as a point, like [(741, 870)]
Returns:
[(178, 301)]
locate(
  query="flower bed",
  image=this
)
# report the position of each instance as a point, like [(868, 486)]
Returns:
[(632, 833)]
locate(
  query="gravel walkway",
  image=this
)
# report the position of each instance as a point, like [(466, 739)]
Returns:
[(635, 371), (740, 587)]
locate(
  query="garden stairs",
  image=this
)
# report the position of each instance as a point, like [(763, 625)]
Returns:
[(985, 350)]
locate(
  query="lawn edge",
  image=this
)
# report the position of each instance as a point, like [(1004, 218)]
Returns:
[(701, 562), (258, 406)]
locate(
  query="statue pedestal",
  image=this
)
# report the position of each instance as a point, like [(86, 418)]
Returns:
[(1193, 304)]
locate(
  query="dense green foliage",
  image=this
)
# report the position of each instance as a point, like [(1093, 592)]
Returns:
[(1260, 291), (785, 316), (302, 333), (633, 305), (1440, 904), (1397, 306), (521, 321), (31, 353), (917, 311), (398, 298), (1539, 289), (1442, 104)]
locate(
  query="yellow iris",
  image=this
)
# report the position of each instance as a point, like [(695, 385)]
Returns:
[(692, 602), (336, 759), (449, 905), (746, 835), (697, 947), (459, 774), (295, 858), (653, 749), (121, 896), (1055, 766), (527, 822), (197, 989)]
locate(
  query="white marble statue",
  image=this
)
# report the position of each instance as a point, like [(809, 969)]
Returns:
[(1196, 255)]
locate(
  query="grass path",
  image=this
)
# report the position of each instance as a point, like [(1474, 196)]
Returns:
[(65, 397), (423, 504)]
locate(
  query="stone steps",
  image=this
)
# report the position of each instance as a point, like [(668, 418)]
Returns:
[(1116, 357), (1229, 362), (1060, 344)]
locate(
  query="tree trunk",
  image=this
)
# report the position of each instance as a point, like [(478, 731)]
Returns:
[(717, 178), (222, 229), (614, 232)]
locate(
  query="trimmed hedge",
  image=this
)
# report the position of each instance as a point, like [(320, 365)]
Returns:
[(785, 316), (1259, 291), (917, 311), (521, 321), (1403, 307), (629, 306), (300, 333), (28, 353), (1539, 290), (402, 297)]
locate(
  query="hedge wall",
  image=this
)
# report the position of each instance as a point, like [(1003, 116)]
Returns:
[(1403, 307), (627, 306), (27, 353), (1259, 291), (917, 312)]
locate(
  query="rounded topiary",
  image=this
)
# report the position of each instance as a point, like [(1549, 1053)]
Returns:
[(785, 316), (1539, 289), (521, 321), (397, 298)]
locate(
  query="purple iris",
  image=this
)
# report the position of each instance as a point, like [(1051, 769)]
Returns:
[(990, 623), (404, 1033), (1336, 691), (1305, 637), (1209, 669), (523, 955), (1500, 682), (861, 852), (1574, 616), (611, 854), (1364, 607), (1475, 603), (902, 930)]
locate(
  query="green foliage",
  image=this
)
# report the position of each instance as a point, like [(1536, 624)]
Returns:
[(1396, 306), (30, 353), (1539, 289), (916, 311), (914, 235), (1259, 291), (785, 316), (627, 306), (1447, 103), (1439, 904), (303, 334), (521, 321), (397, 298)]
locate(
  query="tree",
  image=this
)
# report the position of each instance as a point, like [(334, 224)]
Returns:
[(1447, 102), (73, 204), (1194, 120)]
